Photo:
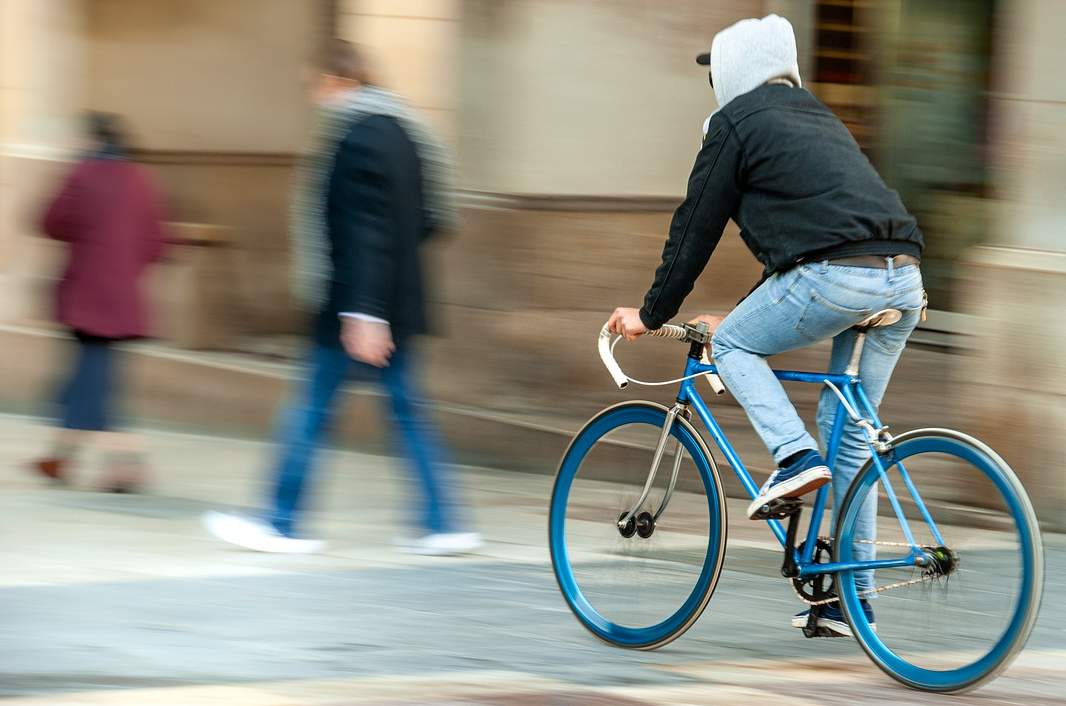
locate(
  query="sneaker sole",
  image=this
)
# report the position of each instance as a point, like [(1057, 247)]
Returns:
[(805, 482), (838, 626)]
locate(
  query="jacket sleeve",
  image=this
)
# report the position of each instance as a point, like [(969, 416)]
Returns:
[(64, 214), (714, 189), (365, 244)]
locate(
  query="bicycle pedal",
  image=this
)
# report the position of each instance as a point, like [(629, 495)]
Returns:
[(821, 631), (778, 509)]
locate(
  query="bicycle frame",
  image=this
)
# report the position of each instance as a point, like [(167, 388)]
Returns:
[(852, 398), (638, 578)]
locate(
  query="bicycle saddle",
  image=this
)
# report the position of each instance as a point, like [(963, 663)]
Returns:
[(885, 317)]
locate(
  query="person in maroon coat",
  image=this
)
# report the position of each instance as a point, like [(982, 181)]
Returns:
[(108, 213)]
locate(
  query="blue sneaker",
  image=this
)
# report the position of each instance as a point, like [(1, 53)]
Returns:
[(803, 476), (832, 619)]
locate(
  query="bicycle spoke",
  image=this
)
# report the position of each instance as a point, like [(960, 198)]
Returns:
[(644, 584), (956, 622)]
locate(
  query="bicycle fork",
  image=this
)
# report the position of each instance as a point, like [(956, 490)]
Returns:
[(643, 523)]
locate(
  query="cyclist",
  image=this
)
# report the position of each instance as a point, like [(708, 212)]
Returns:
[(837, 244)]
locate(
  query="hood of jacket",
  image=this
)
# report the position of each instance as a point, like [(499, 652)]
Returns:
[(746, 55)]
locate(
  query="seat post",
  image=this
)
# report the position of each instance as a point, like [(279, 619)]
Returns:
[(885, 317), (856, 354)]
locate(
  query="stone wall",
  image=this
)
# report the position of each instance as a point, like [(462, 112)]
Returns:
[(41, 81), (1011, 391), (219, 84), (600, 97), (247, 195), (202, 75), (1016, 288), (528, 284)]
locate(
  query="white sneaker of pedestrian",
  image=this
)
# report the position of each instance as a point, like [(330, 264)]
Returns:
[(442, 544), (257, 535)]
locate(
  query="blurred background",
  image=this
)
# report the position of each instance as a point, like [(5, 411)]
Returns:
[(575, 124)]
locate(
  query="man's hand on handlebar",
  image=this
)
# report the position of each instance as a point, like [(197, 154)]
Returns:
[(626, 323)]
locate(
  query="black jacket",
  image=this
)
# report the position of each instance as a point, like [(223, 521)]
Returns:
[(376, 224), (786, 170)]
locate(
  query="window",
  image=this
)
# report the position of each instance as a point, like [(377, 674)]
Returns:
[(839, 55)]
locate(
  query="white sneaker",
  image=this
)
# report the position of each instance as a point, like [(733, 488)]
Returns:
[(257, 535), (442, 544)]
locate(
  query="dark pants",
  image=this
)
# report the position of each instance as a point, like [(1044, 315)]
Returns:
[(86, 401)]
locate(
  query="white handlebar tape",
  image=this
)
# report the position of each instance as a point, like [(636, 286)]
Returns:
[(669, 331), (620, 379), (714, 380), (609, 362)]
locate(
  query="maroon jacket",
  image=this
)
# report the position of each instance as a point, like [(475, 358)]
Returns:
[(108, 212)]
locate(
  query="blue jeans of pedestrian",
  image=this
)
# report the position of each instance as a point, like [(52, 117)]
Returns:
[(811, 303), (86, 400), (305, 421)]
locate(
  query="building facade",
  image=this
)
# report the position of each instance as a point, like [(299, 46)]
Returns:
[(575, 124)]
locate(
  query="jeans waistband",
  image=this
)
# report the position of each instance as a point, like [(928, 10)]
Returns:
[(875, 261)]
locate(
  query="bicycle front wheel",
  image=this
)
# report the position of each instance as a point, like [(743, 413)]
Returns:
[(642, 585), (960, 620)]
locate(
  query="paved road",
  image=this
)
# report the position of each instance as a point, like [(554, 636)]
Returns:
[(125, 600)]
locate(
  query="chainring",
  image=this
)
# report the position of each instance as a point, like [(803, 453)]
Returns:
[(816, 589)]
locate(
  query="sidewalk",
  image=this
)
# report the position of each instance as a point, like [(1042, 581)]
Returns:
[(117, 600), (236, 395)]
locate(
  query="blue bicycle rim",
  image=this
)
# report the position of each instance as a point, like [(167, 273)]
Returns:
[(1022, 612), (658, 634)]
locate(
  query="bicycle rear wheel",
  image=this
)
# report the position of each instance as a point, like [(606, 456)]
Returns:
[(958, 622), (643, 586)]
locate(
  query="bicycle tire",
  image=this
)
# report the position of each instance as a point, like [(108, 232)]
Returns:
[(636, 592), (966, 621)]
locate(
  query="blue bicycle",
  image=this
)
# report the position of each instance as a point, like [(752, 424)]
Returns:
[(637, 531)]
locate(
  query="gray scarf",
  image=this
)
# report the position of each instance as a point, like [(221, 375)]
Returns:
[(312, 268)]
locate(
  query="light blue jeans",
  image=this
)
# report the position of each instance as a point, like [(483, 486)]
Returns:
[(811, 303)]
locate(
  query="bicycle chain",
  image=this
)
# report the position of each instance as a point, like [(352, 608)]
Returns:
[(869, 591)]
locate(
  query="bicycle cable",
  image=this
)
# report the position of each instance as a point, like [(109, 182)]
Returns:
[(653, 384)]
